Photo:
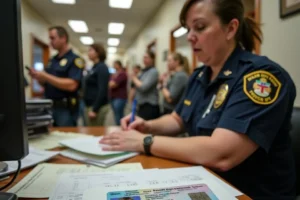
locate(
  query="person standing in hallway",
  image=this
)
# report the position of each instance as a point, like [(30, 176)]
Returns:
[(96, 87), (136, 72), (146, 91), (61, 79), (173, 88), (118, 91)]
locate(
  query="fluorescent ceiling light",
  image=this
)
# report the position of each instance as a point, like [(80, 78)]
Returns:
[(87, 40), (78, 26), (116, 28), (113, 41), (64, 1), (111, 49), (180, 32), (125, 4)]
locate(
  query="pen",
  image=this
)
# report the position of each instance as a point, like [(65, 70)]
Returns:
[(209, 106), (133, 109)]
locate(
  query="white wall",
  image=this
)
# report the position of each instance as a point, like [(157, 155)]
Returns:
[(158, 28), (34, 24), (281, 40)]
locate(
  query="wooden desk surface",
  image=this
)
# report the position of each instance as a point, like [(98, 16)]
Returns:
[(147, 162)]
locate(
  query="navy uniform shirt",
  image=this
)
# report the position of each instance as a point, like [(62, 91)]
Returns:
[(254, 96), (70, 66), (96, 86)]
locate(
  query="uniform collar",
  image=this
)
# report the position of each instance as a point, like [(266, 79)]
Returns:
[(70, 52), (228, 71)]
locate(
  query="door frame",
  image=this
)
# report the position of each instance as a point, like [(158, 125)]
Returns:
[(46, 56)]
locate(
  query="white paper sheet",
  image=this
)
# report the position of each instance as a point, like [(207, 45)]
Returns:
[(88, 145), (40, 182), (75, 186), (34, 157), (50, 141), (101, 161)]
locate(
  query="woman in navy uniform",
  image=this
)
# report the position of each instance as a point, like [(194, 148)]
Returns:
[(61, 79), (236, 108)]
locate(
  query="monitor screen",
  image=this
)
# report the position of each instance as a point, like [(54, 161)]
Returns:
[(13, 135)]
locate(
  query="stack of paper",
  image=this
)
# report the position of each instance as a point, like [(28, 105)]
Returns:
[(88, 150), (101, 161), (33, 158), (176, 184), (40, 182), (50, 141)]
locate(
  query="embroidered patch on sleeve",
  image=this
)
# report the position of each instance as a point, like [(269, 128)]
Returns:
[(262, 87), (79, 63)]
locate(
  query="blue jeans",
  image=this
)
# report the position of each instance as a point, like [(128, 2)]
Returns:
[(118, 106), (64, 117)]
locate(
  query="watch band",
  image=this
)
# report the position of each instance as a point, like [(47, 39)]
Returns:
[(148, 140)]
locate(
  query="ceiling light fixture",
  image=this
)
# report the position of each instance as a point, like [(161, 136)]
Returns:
[(112, 50), (113, 41), (180, 32), (87, 40), (116, 28), (64, 1), (78, 26), (124, 4)]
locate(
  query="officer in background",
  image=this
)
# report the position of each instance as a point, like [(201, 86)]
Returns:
[(61, 79)]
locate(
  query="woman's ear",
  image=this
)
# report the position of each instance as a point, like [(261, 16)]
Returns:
[(232, 29)]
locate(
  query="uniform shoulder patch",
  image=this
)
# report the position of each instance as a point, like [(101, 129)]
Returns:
[(79, 63), (261, 87)]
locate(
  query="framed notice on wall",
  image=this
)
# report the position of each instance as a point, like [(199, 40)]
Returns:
[(289, 7)]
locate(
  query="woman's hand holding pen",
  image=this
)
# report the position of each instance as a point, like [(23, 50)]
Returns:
[(138, 124)]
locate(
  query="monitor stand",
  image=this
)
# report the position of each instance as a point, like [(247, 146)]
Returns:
[(7, 196), (3, 195)]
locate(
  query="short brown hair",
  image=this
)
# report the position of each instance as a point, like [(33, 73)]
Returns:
[(226, 11), (151, 54), (118, 62), (100, 51), (61, 32)]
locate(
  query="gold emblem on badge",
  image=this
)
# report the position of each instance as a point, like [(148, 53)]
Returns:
[(227, 73), (262, 87), (63, 62), (221, 95)]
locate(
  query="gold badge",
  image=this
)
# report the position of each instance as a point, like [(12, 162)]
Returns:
[(79, 63), (221, 95), (187, 102), (73, 101), (227, 73), (63, 62), (262, 87)]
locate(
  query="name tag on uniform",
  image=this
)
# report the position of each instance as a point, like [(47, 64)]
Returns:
[(187, 102)]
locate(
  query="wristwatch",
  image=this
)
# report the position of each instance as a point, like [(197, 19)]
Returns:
[(148, 140)]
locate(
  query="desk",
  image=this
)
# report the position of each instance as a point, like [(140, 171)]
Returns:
[(147, 162)]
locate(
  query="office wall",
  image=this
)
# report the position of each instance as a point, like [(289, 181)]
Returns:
[(158, 28), (32, 24), (281, 40)]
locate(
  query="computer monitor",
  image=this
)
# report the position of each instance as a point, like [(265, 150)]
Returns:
[(13, 134)]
